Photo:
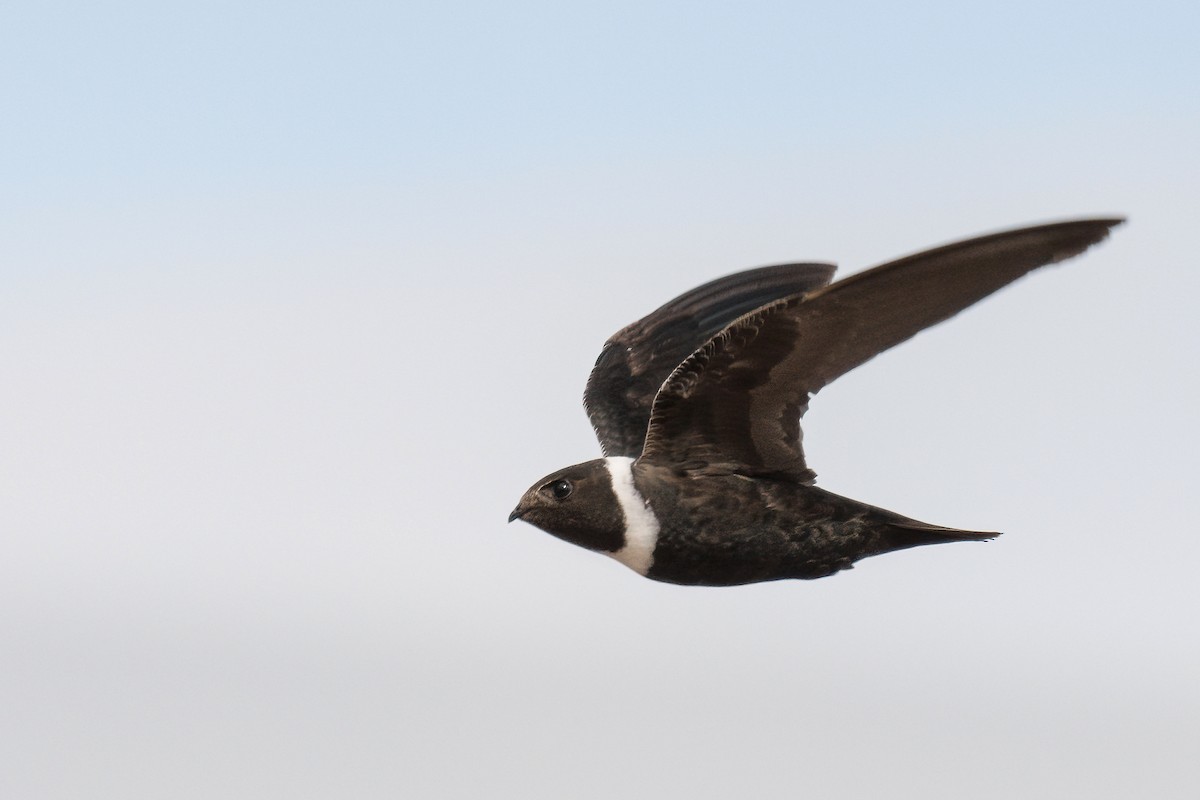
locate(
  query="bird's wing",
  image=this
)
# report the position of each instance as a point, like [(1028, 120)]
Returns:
[(637, 359), (735, 404)]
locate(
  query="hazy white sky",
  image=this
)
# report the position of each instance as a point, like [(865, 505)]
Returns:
[(296, 301)]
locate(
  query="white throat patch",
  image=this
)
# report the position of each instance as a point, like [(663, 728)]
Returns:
[(641, 526)]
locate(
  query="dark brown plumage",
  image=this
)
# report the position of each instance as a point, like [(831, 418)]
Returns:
[(707, 393), (739, 398), (639, 357)]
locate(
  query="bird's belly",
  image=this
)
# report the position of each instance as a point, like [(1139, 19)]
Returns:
[(729, 555)]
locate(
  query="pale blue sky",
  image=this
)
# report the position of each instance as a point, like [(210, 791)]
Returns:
[(115, 98), (296, 300)]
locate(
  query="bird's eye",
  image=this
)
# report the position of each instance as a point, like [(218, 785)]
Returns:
[(561, 489)]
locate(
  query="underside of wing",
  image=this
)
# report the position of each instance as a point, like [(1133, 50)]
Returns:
[(637, 359), (735, 405)]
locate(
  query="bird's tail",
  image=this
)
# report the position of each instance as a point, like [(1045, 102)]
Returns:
[(905, 533)]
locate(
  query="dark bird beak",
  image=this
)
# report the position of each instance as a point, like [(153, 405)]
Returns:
[(516, 514)]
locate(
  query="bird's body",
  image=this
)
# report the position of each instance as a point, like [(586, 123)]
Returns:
[(730, 529), (698, 404), (725, 530)]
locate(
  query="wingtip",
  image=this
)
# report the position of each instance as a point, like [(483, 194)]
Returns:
[(1115, 222), (1108, 223), (1084, 234)]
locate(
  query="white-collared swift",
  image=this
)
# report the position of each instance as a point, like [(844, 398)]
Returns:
[(697, 407)]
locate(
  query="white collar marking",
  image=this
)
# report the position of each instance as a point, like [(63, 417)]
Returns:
[(641, 525)]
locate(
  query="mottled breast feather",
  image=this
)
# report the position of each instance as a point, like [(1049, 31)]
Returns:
[(637, 359), (734, 405)]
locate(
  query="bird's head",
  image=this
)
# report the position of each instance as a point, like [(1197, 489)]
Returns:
[(578, 505)]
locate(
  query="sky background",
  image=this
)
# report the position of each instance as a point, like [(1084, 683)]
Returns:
[(297, 299)]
